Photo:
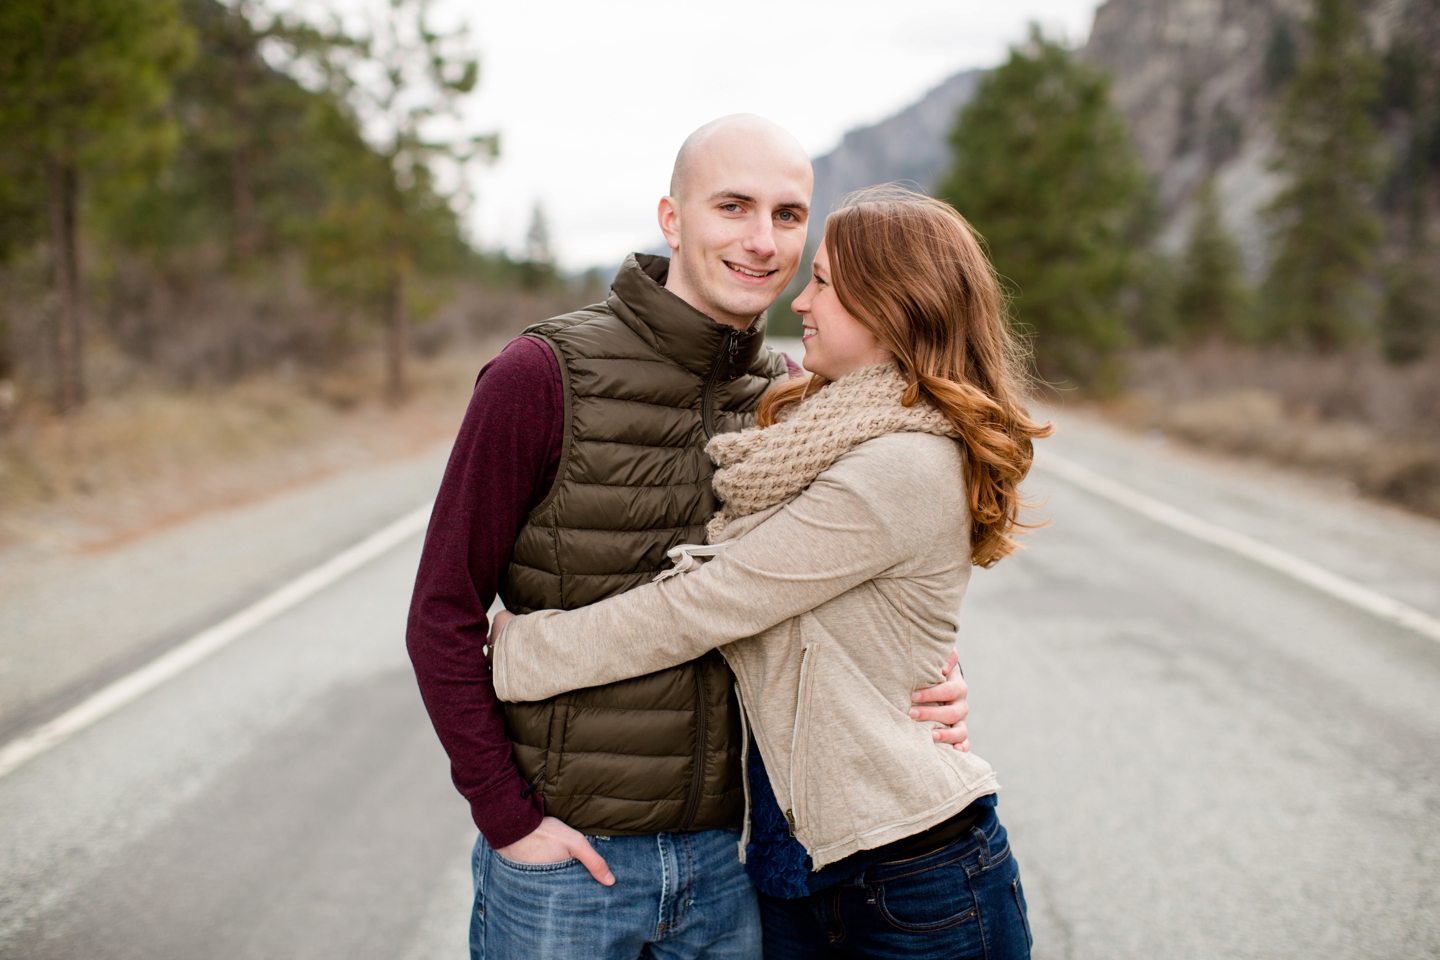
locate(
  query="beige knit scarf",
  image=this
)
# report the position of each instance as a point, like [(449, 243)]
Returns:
[(761, 468)]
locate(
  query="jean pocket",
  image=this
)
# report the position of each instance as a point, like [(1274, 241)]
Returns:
[(553, 867), (928, 899)]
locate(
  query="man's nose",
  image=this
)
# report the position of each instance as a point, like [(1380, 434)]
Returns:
[(760, 239)]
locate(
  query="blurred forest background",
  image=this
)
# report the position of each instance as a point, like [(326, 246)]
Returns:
[(1217, 220), (225, 231)]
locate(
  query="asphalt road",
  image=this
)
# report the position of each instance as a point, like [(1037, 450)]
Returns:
[(1200, 757)]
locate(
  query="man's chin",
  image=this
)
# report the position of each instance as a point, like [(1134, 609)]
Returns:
[(750, 301), (750, 307)]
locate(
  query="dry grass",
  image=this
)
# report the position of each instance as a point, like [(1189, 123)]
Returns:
[(1352, 416), (145, 458), (217, 390)]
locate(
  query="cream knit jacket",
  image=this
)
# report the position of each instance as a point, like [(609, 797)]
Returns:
[(837, 593)]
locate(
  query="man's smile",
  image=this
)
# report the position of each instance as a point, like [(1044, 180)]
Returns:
[(752, 273)]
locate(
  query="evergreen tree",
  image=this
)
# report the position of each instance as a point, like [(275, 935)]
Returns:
[(1410, 315), (253, 170), (1211, 296), (1044, 170), (1280, 56), (84, 86), (537, 270), (1410, 310), (1326, 229), (537, 238), (398, 77)]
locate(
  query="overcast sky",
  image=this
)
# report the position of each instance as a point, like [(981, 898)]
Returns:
[(593, 97)]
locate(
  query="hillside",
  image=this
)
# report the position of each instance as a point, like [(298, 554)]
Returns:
[(908, 146), (1198, 81), (1201, 82), (912, 145), (1193, 80)]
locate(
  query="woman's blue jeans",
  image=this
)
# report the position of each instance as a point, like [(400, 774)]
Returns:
[(960, 902)]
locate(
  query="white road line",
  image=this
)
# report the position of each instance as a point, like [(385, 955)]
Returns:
[(134, 685), (1341, 588)]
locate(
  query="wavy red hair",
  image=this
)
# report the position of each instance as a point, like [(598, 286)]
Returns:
[(912, 270)]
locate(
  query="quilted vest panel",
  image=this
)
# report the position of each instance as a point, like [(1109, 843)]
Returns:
[(647, 380)]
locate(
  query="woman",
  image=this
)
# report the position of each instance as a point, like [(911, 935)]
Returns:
[(851, 517)]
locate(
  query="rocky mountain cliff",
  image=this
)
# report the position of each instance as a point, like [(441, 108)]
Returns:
[(911, 145), (1192, 78), (1198, 80)]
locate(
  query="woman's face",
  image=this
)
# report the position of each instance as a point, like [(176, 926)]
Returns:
[(835, 342)]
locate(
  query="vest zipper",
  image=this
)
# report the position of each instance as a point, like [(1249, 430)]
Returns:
[(728, 351), (697, 782)]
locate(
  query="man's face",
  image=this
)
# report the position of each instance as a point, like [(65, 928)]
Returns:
[(737, 230)]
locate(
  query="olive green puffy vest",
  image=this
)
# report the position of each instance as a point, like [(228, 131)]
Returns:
[(648, 379)]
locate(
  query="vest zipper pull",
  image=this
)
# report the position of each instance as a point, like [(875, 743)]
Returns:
[(732, 348), (790, 819)]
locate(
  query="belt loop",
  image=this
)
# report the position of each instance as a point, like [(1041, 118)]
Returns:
[(984, 843)]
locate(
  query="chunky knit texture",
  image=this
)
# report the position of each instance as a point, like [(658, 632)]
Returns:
[(762, 467)]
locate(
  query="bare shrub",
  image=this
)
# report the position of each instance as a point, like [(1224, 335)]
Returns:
[(1356, 386), (469, 312), (204, 326), (1351, 414)]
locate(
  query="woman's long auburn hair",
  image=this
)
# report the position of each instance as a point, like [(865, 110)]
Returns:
[(912, 270)]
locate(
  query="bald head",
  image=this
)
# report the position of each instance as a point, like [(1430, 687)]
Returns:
[(722, 142), (735, 217)]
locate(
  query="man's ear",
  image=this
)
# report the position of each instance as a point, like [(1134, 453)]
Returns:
[(669, 217)]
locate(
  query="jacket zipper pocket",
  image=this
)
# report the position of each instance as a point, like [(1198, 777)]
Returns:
[(744, 766), (794, 738), (697, 781)]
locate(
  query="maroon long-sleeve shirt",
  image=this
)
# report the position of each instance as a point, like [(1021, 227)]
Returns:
[(503, 463)]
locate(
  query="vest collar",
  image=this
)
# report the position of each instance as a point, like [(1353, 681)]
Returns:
[(670, 325)]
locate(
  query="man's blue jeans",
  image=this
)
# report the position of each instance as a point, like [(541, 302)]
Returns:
[(676, 896), (963, 902)]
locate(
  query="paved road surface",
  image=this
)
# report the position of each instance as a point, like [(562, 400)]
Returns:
[(1200, 757)]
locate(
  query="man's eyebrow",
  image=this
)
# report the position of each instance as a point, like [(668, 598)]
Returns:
[(731, 195), (746, 198)]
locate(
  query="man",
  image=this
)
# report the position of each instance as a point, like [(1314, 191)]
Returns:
[(579, 464)]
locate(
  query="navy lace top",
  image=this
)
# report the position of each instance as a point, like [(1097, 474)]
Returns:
[(776, 862)]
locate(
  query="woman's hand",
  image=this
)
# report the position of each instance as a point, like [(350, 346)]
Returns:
[(501, 618), (945, 703), (552, 842)]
